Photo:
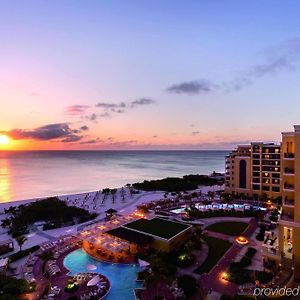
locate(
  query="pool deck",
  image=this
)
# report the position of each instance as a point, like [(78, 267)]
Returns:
[(61, 280)]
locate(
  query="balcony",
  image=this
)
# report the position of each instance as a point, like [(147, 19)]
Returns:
[(287, 216), (288, 187), (289, 202), (289, 155), (289, 172)]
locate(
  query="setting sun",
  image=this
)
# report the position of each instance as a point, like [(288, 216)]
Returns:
[(4, 140)]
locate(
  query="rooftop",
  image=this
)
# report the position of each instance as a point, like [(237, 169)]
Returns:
[(131, 236), (158, 227)]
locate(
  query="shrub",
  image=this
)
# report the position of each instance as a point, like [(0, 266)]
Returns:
[(12, 287), (18, 255), (250, 252), (188, 284), (240, 276), (264, 277), (71, 288)]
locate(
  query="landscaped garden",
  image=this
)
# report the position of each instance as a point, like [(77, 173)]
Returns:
[(228, 228), (217, 248)]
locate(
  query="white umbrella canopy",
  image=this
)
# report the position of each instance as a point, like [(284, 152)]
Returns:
[(143, 263), (94, 280), (91, 267)]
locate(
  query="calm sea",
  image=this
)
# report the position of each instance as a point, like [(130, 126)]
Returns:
[(25, 175)]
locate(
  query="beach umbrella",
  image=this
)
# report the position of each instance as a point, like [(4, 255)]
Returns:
[(94, 281), (91, 267)]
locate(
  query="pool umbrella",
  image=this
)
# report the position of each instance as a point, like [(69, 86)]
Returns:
[(143, 264), (94, 280)]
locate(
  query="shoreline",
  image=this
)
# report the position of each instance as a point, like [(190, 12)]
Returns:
[(82, 195)]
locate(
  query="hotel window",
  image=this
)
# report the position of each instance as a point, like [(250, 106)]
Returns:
[(255, 187), (276, 150)]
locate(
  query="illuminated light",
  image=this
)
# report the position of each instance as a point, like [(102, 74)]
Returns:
[(241, 240), (139, 214), (224, 275), (4, 140)]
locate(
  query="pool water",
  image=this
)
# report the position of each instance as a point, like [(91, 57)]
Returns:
[(122, 277)]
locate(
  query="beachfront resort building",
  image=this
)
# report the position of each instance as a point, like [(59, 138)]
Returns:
[(254, 170), (273, 171)]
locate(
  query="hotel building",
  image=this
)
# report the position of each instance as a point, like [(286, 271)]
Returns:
[(272, 171), (254, 170)]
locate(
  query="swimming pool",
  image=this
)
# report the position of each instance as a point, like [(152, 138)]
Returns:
[(122, 277)]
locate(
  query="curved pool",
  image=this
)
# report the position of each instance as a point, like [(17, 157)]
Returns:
[(122, 277)]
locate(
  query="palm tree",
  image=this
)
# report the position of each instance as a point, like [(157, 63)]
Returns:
[(113, 192), (45, 257), (21, 239), (5, 222)]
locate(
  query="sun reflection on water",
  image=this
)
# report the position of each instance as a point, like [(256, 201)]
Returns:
[(5, 184)]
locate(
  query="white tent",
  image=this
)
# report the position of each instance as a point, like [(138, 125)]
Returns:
[(94, 281)]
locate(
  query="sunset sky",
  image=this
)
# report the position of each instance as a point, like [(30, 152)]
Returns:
[(147, 74)]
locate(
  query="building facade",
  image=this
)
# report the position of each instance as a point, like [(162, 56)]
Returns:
[(289, 223), (272, 171), (254, 170)]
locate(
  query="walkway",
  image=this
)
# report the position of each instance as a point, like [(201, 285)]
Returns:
[(42, 233), (213, 280)]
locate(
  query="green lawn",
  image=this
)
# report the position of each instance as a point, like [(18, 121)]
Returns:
[(217, 249), (159, 227), (228, 228)]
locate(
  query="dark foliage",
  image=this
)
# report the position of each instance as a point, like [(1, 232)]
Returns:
[(51, 210), (11, 288), (23, 253), (188, 284), (173, 184)]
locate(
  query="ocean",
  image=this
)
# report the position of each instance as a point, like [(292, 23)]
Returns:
[(34, 174)]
